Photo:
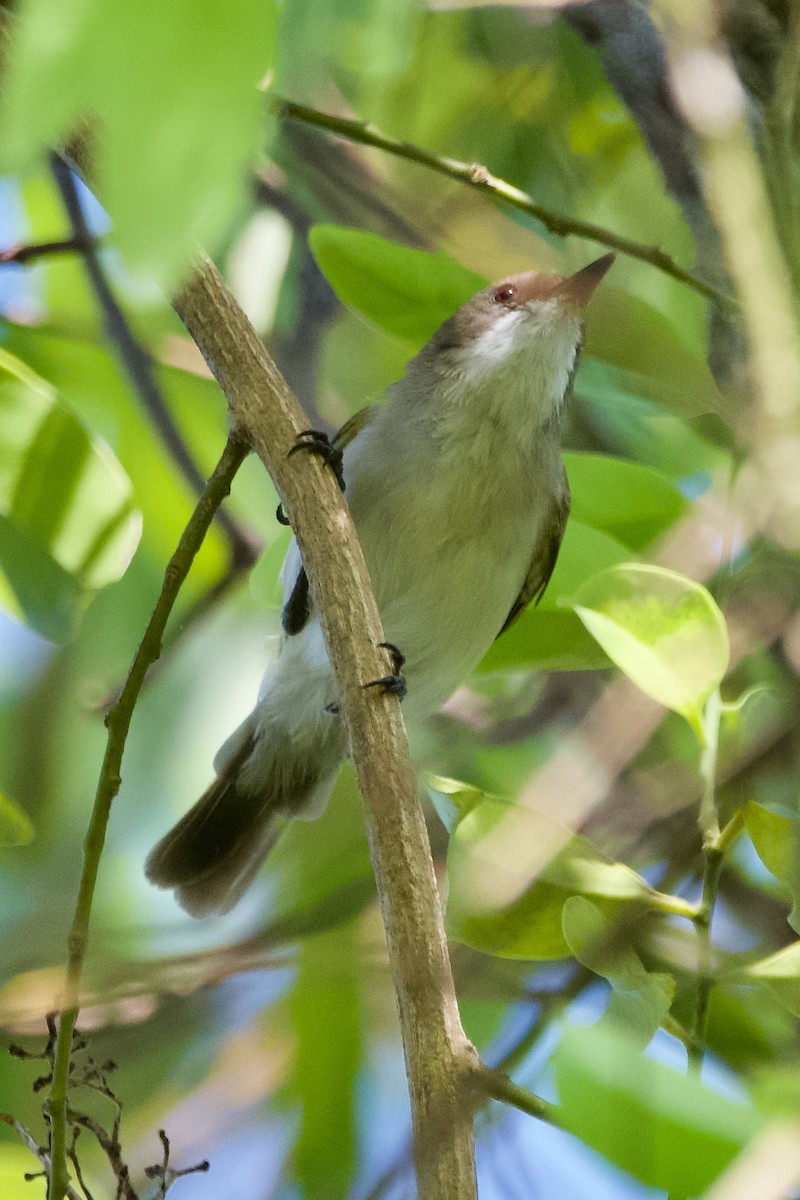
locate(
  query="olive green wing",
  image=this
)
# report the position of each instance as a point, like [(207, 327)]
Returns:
[(545, 553), (353, 426), (297, 609)]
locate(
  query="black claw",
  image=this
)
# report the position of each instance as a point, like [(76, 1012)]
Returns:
[(317, 442), (281, 517), (398, 658), (333, 709)]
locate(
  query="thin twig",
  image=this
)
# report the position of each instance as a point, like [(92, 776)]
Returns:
[(21, 254), (118, 723), (501, 1087), (713, 858), (136, 362), (477, 176)]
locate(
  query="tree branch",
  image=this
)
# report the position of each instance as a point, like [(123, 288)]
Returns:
[(440, 1061), (477, 176)]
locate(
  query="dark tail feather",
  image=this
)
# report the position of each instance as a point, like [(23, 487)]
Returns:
[(212, 853)]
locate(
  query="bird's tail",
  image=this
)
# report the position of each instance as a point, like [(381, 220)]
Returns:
[(265, 776)]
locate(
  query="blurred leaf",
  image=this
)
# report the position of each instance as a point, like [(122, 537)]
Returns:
[(67, 523), (177, 94), (409, 293), (326, 1014), (511, 869), (16, 827), (630, 334), (775, 840), (640, 1000), (613, 400), (634, 503), (781, 972), (546, 635), (86, 376), (666, 1129), (551, 641), (452, 799), (663, 630)]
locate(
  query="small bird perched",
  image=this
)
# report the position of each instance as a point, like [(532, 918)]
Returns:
[(459, 495)]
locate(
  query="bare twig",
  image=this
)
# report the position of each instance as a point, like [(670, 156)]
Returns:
[(440, 1061), (477, 176), (118, 722)]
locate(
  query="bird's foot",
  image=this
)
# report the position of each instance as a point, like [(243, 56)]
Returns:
[(393, 684), (316, 442)]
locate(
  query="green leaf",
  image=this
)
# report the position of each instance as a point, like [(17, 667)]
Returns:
[(510, 870), (16, 827), (630, 334), (631, 502), (664, 1128), (614, 404), (87, 379), (177, 95), (408, 293), (775, 840), (640, 1000), (547, 636), (67, 522), (664, 631), (452, 799), (781, 972)]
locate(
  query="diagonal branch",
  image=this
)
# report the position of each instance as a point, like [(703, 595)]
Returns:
[(477, 176), (135, 361), (440, 1062)]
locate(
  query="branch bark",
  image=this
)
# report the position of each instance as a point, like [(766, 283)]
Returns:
[(441, 1063)]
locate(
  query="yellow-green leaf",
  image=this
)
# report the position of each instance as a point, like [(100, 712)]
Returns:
[(664, 631)]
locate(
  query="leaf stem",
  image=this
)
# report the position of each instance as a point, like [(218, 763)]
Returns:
[(713, 858), (501, 1087), (477, 176), (118, 722)]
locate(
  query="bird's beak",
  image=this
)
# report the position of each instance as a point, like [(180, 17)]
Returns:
[(579, 288)]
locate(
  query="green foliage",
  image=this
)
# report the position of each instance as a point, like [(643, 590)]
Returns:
[(775, 839), (281, 1016), (640, 1000), (67, 522), (668, 1130), (663, 630), (511, 871), (179, 104), (408, 293), (15, 826)]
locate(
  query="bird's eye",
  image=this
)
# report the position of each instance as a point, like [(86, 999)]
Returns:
[(505, 294)]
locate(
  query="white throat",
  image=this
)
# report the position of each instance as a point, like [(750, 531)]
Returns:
[(515, 373)]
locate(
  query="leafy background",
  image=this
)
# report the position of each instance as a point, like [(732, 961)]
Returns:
[(267, 1041)]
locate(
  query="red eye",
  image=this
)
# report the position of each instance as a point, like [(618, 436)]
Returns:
[(505, 294)]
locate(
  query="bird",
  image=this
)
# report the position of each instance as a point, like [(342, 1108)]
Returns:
[(460, 498)]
